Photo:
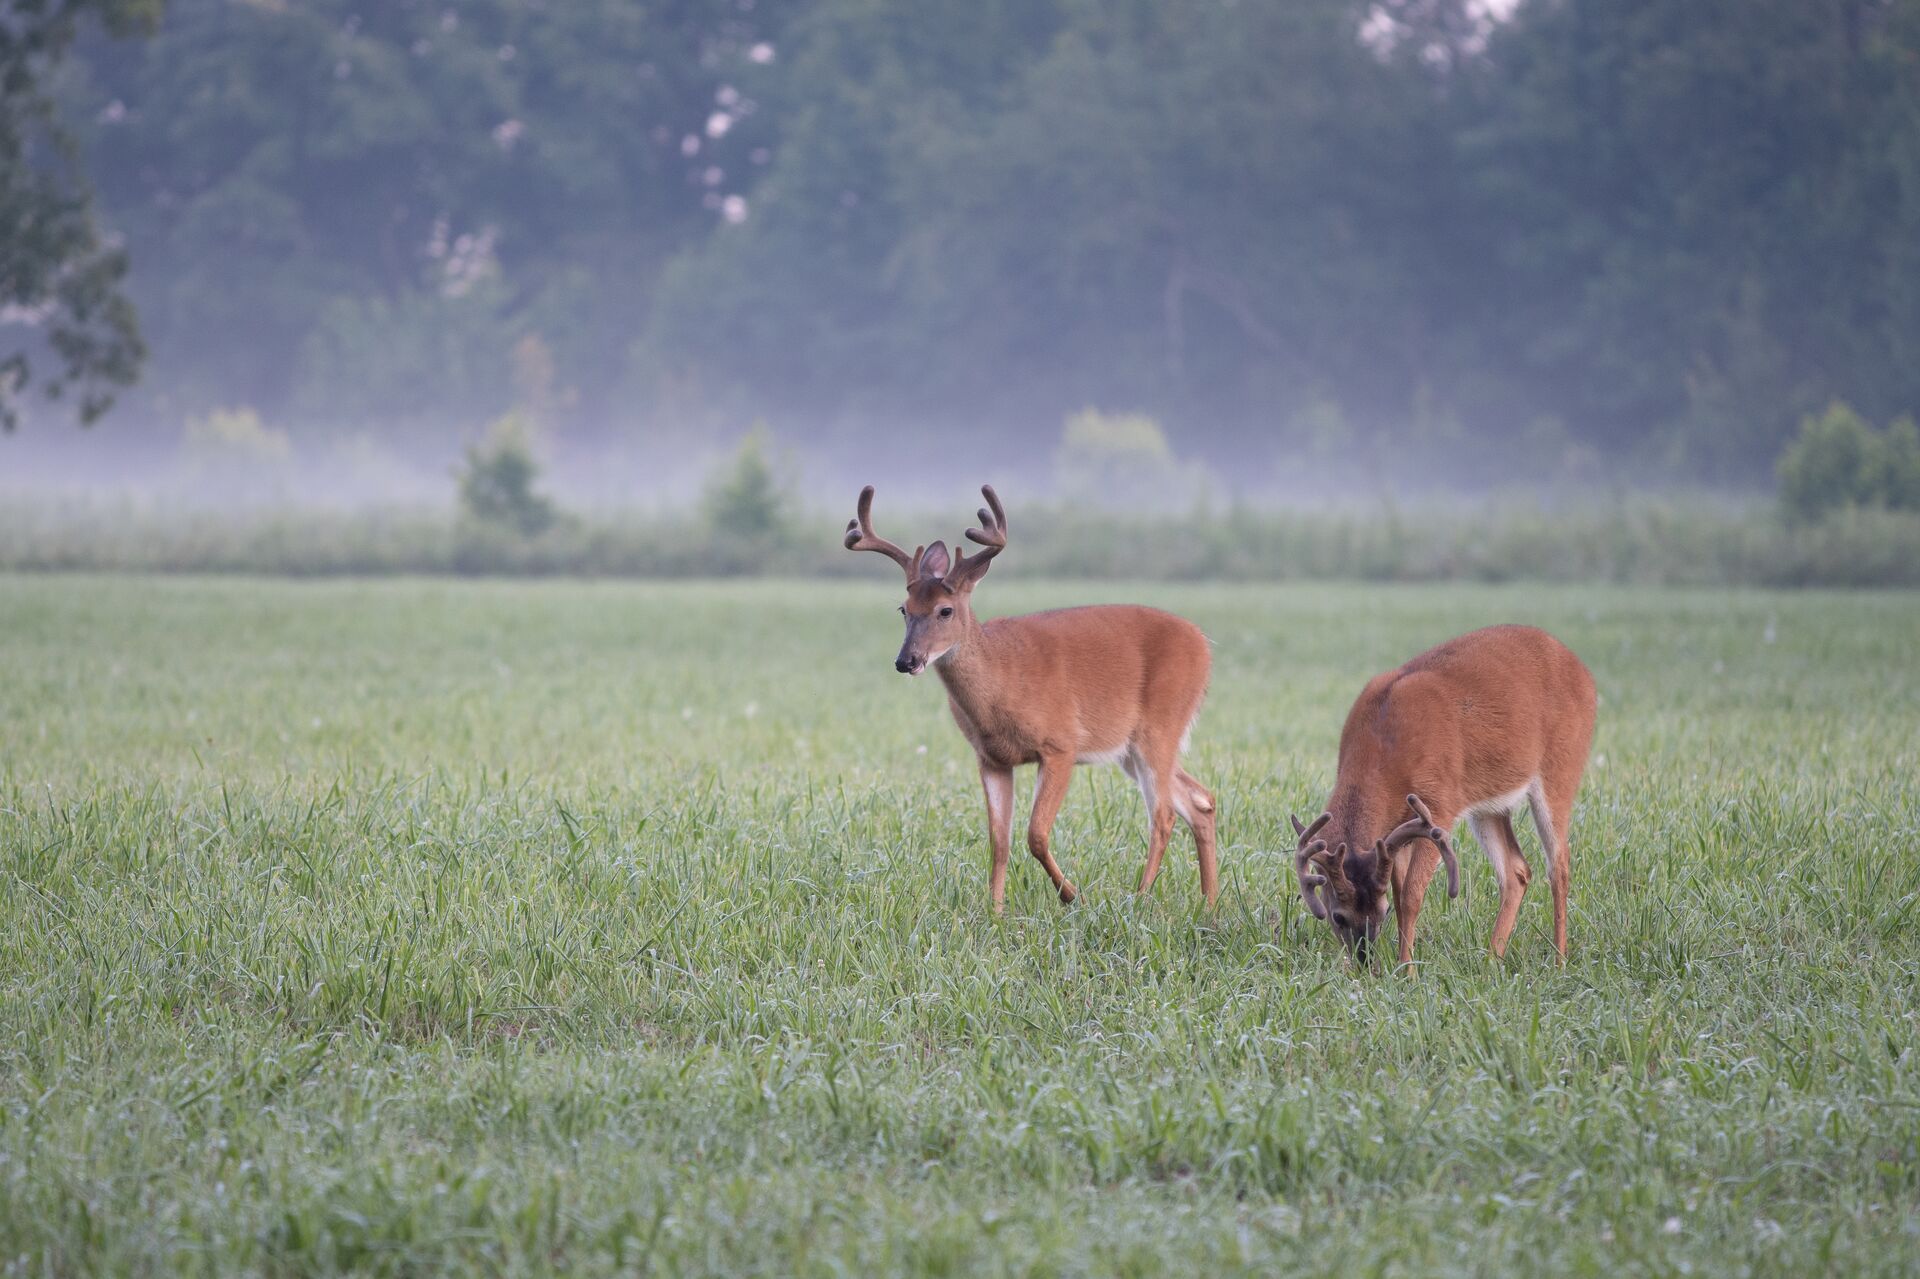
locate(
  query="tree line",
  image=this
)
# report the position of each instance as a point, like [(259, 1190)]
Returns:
[(1597, 236)]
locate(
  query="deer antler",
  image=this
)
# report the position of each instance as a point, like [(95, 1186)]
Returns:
[(991, 536), (1304, 851), (861, 537), (1421, 826)]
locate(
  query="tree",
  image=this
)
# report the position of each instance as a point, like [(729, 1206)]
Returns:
[(60, 279), (1024, 207), (353, 212), (1696, 220)]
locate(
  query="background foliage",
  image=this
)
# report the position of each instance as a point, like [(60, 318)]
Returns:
[(60, 296), (1590, 236)]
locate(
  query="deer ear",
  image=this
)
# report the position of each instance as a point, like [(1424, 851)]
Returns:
[(935, 562)]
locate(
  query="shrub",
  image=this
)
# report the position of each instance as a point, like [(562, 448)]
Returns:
[(1123, 460), (1838, 461), (497, 482), (233, 452), (237, 433), (746, 499), (1898, 468)]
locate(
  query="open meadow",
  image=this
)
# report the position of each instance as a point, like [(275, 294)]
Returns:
[(418, 926)]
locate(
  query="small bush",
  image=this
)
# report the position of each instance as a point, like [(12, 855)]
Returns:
[(497, 483), (746, 500), (233, 453), (1124, 460), (237, 434), (1898, 468), (1838, 462)]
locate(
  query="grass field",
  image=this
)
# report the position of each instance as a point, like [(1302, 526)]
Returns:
[(412, 926)]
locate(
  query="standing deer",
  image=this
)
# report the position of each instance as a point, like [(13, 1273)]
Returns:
[(1475, 728), (1108, 684)]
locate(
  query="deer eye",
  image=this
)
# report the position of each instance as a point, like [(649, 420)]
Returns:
[(947, 612), (1340, 918), (903, 610)]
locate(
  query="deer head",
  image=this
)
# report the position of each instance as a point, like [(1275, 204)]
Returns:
[(1352, 889), (938, 607), (1346, 888)]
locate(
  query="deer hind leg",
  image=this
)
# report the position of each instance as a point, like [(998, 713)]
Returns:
[(1194, 803), (1048, 794), (998, 784), (1552, 815), (1495, 833)]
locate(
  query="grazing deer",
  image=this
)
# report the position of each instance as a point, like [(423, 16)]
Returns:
[(1109, 684), (1475, 728)]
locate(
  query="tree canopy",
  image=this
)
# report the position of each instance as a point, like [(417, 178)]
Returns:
[(1588, 233), (60, 295)]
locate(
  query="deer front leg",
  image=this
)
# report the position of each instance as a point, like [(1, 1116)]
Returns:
[(1048, 794), (997, 782), (1411, 875)]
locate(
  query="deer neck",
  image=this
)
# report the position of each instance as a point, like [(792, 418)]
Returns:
[(967, 669), (1360, 816)]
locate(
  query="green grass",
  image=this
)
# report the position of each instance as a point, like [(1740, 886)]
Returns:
[(411, 927)]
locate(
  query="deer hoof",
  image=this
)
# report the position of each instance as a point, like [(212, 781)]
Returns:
[(1067, 894)]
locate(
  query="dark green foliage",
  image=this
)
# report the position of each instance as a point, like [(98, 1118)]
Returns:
[(497, 483), (61, 299), (1670, 227), (353, 212), (1650, 234), (1839, 461)]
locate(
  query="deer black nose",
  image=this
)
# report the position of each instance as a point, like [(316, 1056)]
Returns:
[(903, 665)]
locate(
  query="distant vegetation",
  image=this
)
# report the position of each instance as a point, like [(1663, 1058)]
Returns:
[(497, 483), (1839, 462), (1641, 541), (747, 500), (1598, 240), (1125, 506), (1116, 462), (67, 327)]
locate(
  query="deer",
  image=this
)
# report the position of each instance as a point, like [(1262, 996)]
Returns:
[(1104, 684), (1476, 728)]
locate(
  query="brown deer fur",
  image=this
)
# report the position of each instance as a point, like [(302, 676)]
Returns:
[(1112, 683), (1475, 729)]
